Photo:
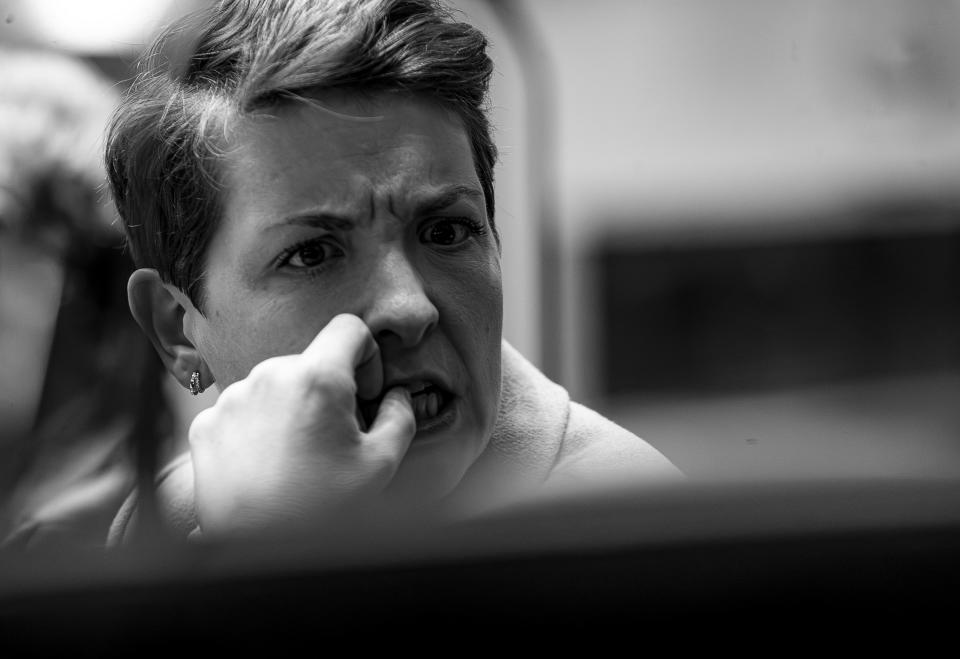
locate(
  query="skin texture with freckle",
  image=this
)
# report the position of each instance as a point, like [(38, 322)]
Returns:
[(328, 215)]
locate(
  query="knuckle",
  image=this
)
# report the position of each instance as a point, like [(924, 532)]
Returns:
[(201, 427), (233, 396), (333, 382), (267, 369)]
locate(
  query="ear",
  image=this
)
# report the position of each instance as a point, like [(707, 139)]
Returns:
[(159, 309)]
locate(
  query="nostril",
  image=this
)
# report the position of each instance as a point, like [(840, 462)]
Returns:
[(407, 323), (386, 336), (399, 304), (407, 335)]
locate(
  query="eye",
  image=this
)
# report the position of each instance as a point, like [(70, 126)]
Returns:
[(309, 254), (450, 232)]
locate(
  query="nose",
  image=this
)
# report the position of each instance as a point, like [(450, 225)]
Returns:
[(399, 310)]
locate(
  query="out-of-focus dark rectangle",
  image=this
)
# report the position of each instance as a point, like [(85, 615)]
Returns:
[(708, 316)]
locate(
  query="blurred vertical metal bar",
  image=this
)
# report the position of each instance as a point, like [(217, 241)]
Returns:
[(540, 124)]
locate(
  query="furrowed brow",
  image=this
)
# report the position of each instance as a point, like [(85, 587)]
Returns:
[(315, 220), (446, 198)]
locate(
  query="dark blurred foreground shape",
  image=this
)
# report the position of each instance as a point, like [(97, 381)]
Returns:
[(79, 384), (754, 567)]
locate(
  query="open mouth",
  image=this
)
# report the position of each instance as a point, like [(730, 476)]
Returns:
[(429, 403)]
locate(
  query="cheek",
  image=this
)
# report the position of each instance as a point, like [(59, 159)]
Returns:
[(235, 340), (223, 344), (475, 299), (490, 326), (491, 296), (476, 304)]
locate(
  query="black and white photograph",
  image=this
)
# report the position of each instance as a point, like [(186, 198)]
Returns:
[(478, 325)]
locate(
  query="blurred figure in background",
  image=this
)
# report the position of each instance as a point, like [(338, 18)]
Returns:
[(79, 384)]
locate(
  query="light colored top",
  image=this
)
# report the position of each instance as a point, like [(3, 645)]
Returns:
[(542, 443)]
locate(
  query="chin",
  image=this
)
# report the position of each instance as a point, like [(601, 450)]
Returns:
[(434, 465)]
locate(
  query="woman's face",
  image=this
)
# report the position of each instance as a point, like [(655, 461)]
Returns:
[(371, 207)]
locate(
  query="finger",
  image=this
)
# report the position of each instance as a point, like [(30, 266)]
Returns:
[(200, 427), (347, 345), (395, 425), (369, 376)]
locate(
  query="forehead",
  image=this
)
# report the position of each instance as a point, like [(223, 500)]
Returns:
[(341, 149)]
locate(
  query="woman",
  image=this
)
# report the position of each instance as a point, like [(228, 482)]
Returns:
[(309, 199)]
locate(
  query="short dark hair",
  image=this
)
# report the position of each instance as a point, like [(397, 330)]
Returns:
[(167, 136)]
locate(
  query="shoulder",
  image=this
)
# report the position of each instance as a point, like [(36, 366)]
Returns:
[(174, 500), (595, 449), (573, 442)]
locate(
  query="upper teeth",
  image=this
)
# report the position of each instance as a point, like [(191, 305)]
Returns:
[(417, 388)]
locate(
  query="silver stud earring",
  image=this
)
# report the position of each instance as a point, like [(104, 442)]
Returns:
[(195, 386)]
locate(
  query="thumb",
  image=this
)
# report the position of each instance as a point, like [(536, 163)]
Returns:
[(395, 425)]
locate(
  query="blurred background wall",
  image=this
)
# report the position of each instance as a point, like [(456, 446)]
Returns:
[(757, 205), (732, 225)]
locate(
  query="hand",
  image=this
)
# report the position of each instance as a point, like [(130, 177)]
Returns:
[(286, 447)]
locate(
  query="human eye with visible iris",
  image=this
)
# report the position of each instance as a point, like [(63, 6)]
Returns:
[(450, 231), (309, 255)]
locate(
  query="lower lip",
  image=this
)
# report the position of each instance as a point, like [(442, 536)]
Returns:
[(441, 421)]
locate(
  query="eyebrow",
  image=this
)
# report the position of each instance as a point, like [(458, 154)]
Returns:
[(317, 220), (432, 203), (447, 196)]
